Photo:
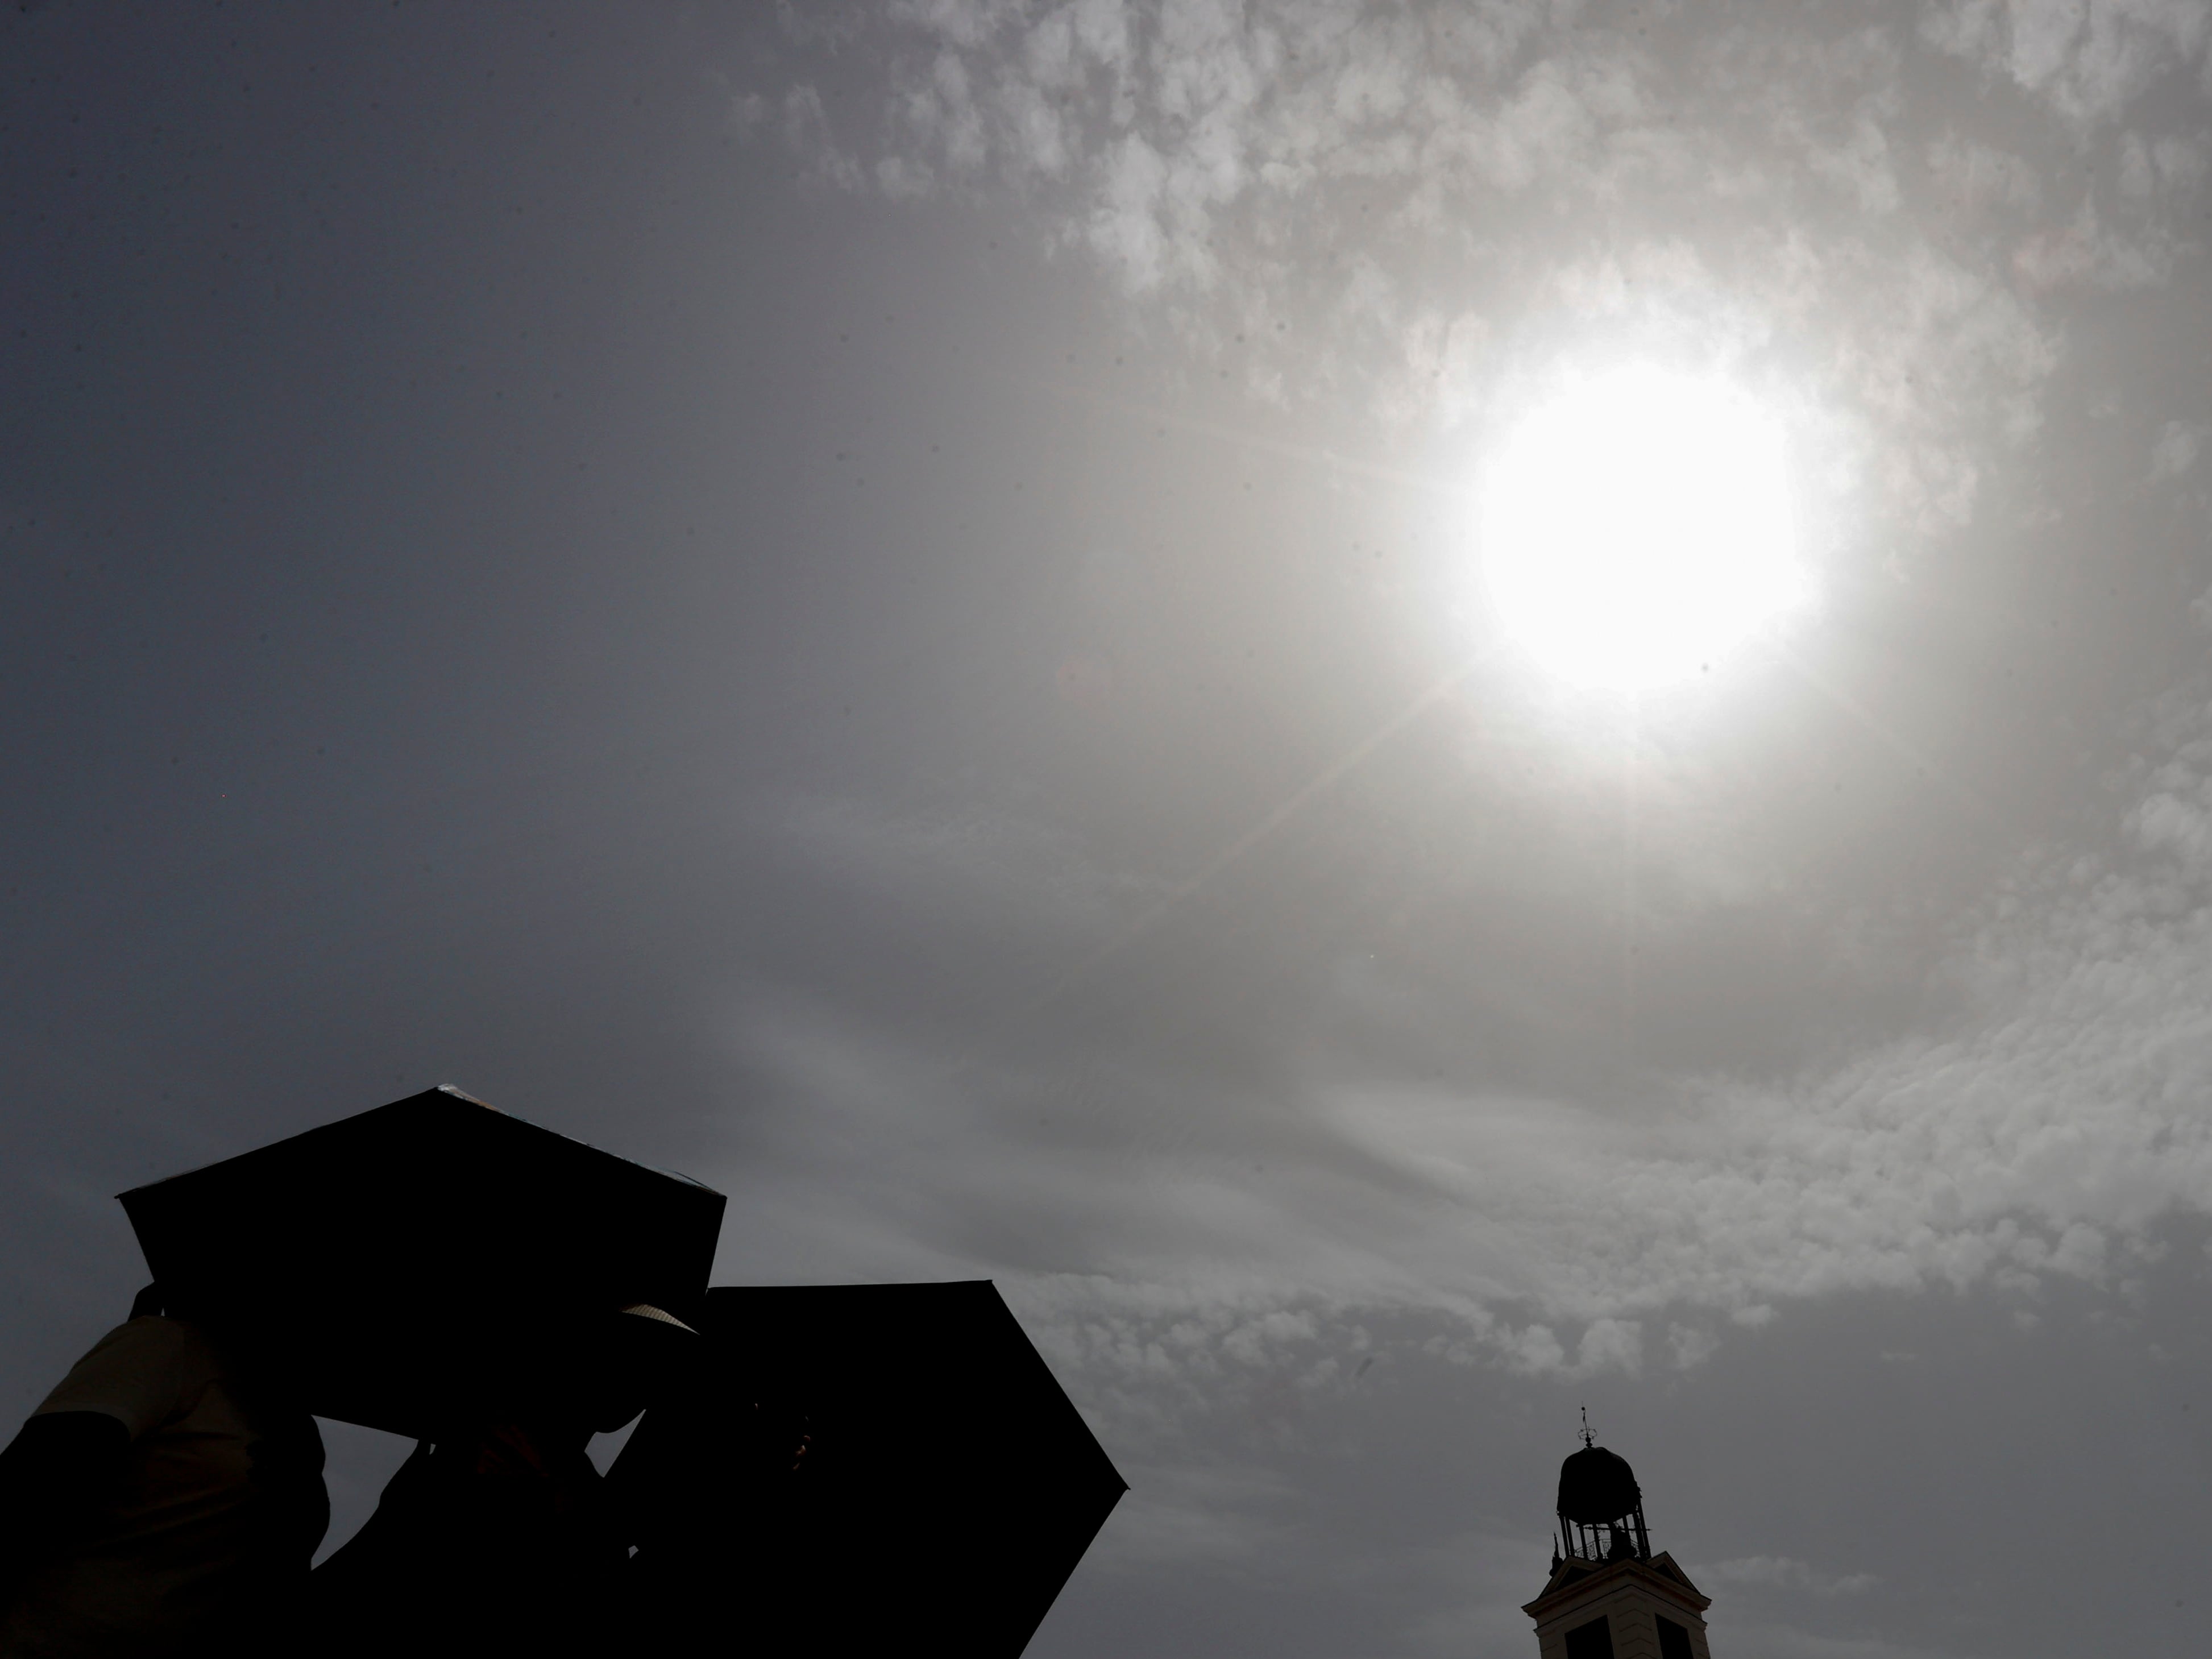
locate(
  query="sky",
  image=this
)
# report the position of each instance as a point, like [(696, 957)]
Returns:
[(882, 604)]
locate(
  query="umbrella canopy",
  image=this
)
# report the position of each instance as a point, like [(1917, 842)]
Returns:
[(401, 1262), (858, 1469)]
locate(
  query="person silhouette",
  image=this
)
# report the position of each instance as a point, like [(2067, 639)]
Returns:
[(164, 1501), (499, 1535)]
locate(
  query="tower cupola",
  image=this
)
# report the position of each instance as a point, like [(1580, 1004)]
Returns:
[(1609, 1596), (1600, 1507)]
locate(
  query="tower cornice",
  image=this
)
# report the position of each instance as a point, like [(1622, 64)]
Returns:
[(1577, 1580)]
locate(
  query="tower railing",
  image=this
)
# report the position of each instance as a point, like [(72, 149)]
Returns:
[(1623, 1539)]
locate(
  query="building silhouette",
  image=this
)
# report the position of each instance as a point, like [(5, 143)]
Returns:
[(1609, 1597)]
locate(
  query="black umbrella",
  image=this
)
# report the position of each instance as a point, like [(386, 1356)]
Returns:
[(867, 1469), (402, 1260)]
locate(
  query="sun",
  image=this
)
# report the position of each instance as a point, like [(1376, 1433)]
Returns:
[(1639, 528)]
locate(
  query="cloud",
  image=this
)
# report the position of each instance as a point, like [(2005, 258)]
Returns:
[(2043, 1135), (2088, 254), (1402, 203), (2178, 446), (1196, 1239), (2089, 59), (1783, 1572)]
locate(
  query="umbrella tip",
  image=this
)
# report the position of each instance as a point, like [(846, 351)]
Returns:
[(460, 1093), (658, 1316)]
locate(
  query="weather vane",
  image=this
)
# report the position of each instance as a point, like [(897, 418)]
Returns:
[(1589, 1439)]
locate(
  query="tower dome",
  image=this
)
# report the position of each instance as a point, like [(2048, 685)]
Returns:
[(1597, 1486), (1600, 1506)]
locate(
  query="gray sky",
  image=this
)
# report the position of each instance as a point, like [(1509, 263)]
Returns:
[(875, 604)]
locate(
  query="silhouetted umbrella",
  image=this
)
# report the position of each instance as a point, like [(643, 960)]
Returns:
[(868, 1469), (403, 1258)]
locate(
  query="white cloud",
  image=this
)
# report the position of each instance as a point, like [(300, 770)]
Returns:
[(804, 122), (2087, 253), (1380, 199), (1783, 1572), (2178, 446), (2090, 58), (1978, 177), (1690, 1346), (1173, 1232)]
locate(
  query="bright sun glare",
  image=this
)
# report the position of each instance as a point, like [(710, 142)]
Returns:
[(1637, 527)]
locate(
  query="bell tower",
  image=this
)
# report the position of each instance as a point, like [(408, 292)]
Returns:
[(1610, 1597)]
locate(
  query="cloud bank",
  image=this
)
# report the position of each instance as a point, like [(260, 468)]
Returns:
[(1181, 1232), (1405, 205)]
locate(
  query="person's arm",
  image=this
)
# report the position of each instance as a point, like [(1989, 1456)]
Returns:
[(54, 1476), (67, 1464)]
